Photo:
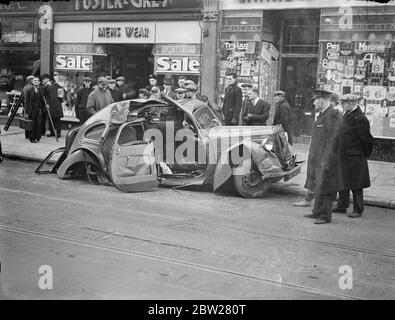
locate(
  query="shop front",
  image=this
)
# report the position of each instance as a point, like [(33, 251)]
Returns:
[(145, 37)]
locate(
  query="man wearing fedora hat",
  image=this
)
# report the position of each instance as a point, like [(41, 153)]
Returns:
[(356, 147), (168, 89), (82, 99), (324, 175)]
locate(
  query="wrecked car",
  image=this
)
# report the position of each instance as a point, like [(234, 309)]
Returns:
[(139, 144)]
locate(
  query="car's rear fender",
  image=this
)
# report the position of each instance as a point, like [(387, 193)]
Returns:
[(80, 155), (264, 160)]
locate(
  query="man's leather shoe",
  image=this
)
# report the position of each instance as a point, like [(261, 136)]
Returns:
[(302, 203), (311, 215), (354, 215), (339, 210), (321, 221)]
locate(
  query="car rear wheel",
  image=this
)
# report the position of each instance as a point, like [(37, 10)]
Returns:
[(249, 183)]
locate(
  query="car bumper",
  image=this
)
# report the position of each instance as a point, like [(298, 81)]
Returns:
[(288, 175)]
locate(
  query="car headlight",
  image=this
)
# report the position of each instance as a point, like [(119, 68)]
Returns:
[(267, 143)]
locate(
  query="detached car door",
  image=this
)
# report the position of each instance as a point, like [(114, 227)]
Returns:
[(132, 162)]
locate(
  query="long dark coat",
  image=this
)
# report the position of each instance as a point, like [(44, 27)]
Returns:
[(54, 103), (128, 90), (259, 113), (356, 147), (282, 115), (324, 175), (232, 103)]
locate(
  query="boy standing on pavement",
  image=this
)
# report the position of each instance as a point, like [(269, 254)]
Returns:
[(356, 147)]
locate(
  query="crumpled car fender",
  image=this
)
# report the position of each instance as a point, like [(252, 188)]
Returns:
[(253, 152), (79, 155)]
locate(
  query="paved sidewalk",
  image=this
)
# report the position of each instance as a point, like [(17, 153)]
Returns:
[(382, 174)]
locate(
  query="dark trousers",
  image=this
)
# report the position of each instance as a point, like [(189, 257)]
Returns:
[(228, 118), (1, 153), (81, 114), (43, 122), (323, 206), (56, 124), (36, 116), (344, 200)]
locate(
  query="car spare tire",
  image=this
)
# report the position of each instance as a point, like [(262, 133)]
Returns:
[(248, 181)]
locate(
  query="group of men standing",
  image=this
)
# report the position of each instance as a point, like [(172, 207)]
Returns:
[(337, 161), (242, 106), (40, 98)]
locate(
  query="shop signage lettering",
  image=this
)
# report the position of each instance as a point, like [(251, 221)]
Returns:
[(73, 62), (180, 49), (241, 28), (371, 47), (165, 64), (236, 46), (374, 27), (130, 32), (118, 4)]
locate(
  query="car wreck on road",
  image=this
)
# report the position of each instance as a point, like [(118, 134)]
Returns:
[(138, 145)]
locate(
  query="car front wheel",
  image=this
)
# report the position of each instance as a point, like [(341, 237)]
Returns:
[(248, 181)]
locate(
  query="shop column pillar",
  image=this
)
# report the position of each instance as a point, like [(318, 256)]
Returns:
[(46, 51), (208, 83)]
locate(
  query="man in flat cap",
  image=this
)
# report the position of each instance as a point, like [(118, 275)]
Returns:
[(324, 175), (112, 87), (356, 147), (82, 99), (180, 94), (153, 82), (232, 100), (99, 98), (245, 87), (282, 113), (125, 92)]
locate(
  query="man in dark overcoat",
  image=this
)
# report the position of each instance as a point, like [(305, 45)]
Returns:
[(82, 99), (125, 92), (232, 101), (35, 108), (29, 84), (256, 112), (50, 92), (282, 114), (356, 147), (324, 175)]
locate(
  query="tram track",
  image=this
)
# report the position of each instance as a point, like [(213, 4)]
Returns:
[(182, 263), (208, 222)]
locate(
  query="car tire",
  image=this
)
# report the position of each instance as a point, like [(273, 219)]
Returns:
[(250, 184)]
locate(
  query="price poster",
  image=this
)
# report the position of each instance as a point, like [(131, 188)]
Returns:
[(378, 65), (373, 109), (374, 92), (245, 70), (391, 112)]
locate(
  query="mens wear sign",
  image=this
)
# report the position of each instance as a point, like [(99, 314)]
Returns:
[(124, 32), (72, 62), (177, 64)]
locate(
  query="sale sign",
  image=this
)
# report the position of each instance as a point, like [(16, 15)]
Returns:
[(374, 92)]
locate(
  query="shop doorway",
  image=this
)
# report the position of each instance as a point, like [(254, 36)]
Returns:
[(298, 82), (134, 62)]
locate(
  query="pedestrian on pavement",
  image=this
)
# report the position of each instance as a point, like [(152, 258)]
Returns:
[(282, 113), (245, 87), (153, 82), (99, 98), (181, 94), (324, 174), (168, 89), (35, 108), (112, 87), (29, 84), (82, 99), (256, 111), (232, 100), (125, 92), (191, 92), (356, 147), (50, 92)]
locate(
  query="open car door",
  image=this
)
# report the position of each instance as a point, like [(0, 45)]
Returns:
[(132, 162)]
